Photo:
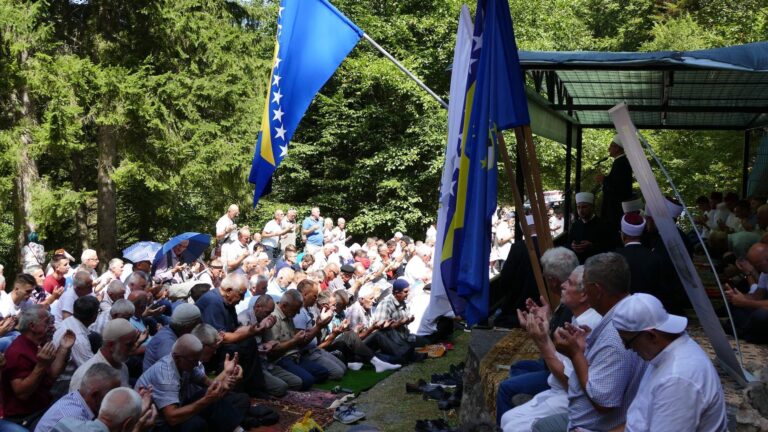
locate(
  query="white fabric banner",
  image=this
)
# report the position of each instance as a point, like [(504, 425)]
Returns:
[(439, 305), (656, 202)]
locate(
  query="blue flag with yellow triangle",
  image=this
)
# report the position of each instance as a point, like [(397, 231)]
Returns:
[(495, 100), (313, 38)]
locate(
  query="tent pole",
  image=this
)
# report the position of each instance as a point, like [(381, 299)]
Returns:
[(567, 193), (519, 208), (745, 166), (408, 73)]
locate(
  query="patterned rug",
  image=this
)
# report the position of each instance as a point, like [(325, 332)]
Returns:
[(294, 405)]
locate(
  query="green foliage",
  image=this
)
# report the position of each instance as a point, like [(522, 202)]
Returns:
[(182, 82)]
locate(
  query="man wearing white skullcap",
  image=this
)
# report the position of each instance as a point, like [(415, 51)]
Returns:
[(680, 389), (644, 265), (589, 234), (617, 185), (119, 338), (632, 205)]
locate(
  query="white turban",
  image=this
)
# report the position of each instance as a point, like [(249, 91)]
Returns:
[(585, 197), (632, 225), (630, 206)]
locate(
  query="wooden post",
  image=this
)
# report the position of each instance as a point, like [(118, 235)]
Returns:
[(518, 199)]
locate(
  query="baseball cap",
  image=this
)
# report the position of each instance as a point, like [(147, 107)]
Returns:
[(641, 312)]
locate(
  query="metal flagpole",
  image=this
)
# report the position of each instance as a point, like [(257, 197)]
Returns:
[(405, 70)]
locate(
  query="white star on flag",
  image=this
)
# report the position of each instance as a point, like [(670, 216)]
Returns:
[(277, 62), (280, 132), (478, 42), (277, 96), (278, 114), (280, 12), (277, 79), (283, 151)]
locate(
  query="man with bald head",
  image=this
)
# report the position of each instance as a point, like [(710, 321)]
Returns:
[(184, 318), (186, 398), (82, 403), (225, 226), (119, 339), (750, 313)]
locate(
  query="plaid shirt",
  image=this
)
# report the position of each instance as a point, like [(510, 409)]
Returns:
[(357, 315), (391, 309), (614, 376)]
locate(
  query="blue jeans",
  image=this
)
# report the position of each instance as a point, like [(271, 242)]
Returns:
[(525, 377), (310, 372)]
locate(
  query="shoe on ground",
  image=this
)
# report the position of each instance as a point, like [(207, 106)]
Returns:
[(348, 414), (438, 393), (420, 386), (438, 425), (445, 380), (382, 366), (520, 399), (355, 366), (453, 401)]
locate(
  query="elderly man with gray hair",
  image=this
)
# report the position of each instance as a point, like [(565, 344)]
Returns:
[(113, 273), (555, 399), (529, 377), (605, 375), (185, 397), (122, 410), (115, 291), (83, 402), (120, 338)]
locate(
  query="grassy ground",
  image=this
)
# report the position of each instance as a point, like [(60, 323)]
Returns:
[(388, 407)]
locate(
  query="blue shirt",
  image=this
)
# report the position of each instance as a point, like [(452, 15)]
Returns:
[(216, 313), (159, 347), (170, 387), (305, 320), (71, 405), (315, 238)]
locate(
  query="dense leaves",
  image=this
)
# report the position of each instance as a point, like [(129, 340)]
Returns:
[(178, 87)]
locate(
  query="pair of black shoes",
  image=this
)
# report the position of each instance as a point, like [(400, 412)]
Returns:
[(438, 425)]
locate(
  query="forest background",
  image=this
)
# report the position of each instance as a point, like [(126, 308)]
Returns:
[(127, 120)]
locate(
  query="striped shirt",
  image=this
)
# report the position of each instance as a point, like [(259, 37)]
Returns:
[(71, 406), (74, 425), (169, 386), (614, 376)]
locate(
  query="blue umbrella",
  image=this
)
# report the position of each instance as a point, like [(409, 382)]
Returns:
[(198, 243), (141, 251)]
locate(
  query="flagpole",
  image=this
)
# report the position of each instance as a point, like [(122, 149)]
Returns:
[(405, 70)]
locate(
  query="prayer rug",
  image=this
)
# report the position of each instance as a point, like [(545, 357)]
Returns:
[(294, 405), (356, 381)]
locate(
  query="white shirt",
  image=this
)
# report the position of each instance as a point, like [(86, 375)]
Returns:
[(65, 303), (502, 232), (232, 251), (9, 308), (762, 283), (417, 273), (271, 227), (77, 377), (679, 391), (589, 318), (221, 226), (81, 350)]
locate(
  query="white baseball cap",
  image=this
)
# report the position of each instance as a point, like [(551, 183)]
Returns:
[(641, 312)]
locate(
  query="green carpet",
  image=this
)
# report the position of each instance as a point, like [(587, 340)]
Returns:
[(356, 381)]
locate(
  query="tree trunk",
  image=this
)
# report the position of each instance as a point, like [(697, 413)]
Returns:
[(106, 227), (26, 168)]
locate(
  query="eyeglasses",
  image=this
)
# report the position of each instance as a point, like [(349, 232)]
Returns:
[(628, 342)]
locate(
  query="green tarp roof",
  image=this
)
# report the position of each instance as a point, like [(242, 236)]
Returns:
[(724, 88)]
